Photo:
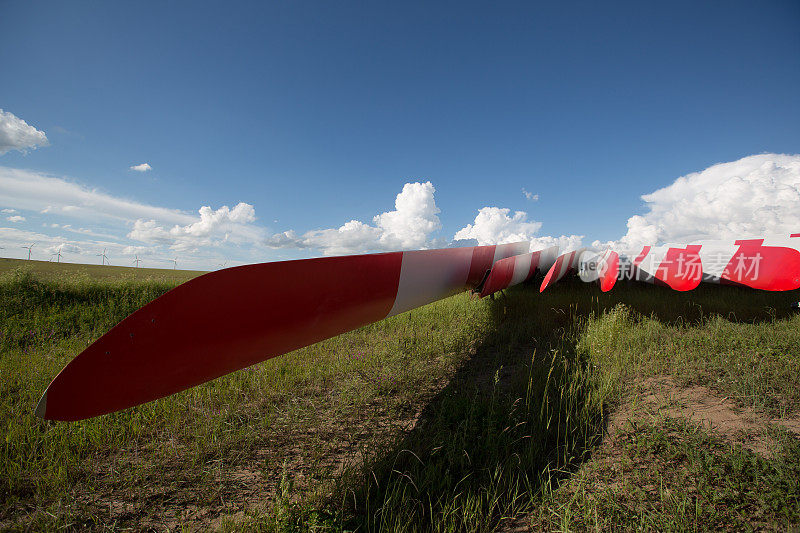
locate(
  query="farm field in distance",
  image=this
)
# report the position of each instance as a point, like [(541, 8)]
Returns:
[(50, 270), (568, 410)]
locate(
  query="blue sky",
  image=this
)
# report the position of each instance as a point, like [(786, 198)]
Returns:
[(316, 114)]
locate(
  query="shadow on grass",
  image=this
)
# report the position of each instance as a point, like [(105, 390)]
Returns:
[(517, 414), (520, 414)]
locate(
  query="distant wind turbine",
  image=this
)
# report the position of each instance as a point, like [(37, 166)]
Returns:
[(137, 261), (58, 260), (29, 250), (104, 258), (174, 263), (222, 265)]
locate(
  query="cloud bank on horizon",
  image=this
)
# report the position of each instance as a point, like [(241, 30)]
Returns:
[(758, 194), (755, 195)]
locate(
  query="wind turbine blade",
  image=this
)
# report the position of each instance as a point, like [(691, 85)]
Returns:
[(228, 319), (517, 269), (680, 268), (767, 263), (601, 267), (564, 264)]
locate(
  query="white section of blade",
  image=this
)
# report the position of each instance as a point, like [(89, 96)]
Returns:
[(430, 275), (651, 262), (503, 251), (565, 265), (589, 264), (715, 256), (522, 266), (547, 258)]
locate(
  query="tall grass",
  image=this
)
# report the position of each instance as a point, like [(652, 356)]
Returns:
[(755, 362), (486, 445), (486, 451), (509, 397), (46, 323), (43, 324)]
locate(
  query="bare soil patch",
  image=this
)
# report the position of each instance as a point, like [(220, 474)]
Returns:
[(714, 412)]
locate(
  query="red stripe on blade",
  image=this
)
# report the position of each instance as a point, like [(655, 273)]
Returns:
[(553, 274), (609, 272), (219, 323), (536, 257), (770, 268), (681, 269), (500, 276), (642, 255), (482, 257)]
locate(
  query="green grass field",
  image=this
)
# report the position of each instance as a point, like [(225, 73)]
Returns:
[(52, 271), (568, 410)]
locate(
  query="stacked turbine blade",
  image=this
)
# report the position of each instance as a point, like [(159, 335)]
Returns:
[(767, 263), (601, 267), (233, 318), (563, 265), (230, 319), (517, 269)]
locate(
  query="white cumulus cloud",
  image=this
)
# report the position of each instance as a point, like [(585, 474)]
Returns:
[(16, 134), (565, 243), (496, 225), (493, 225), (16, 218), (409, 226), (144, 167), (352, 237), (413, 219), (213, 227), (756, 195)]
